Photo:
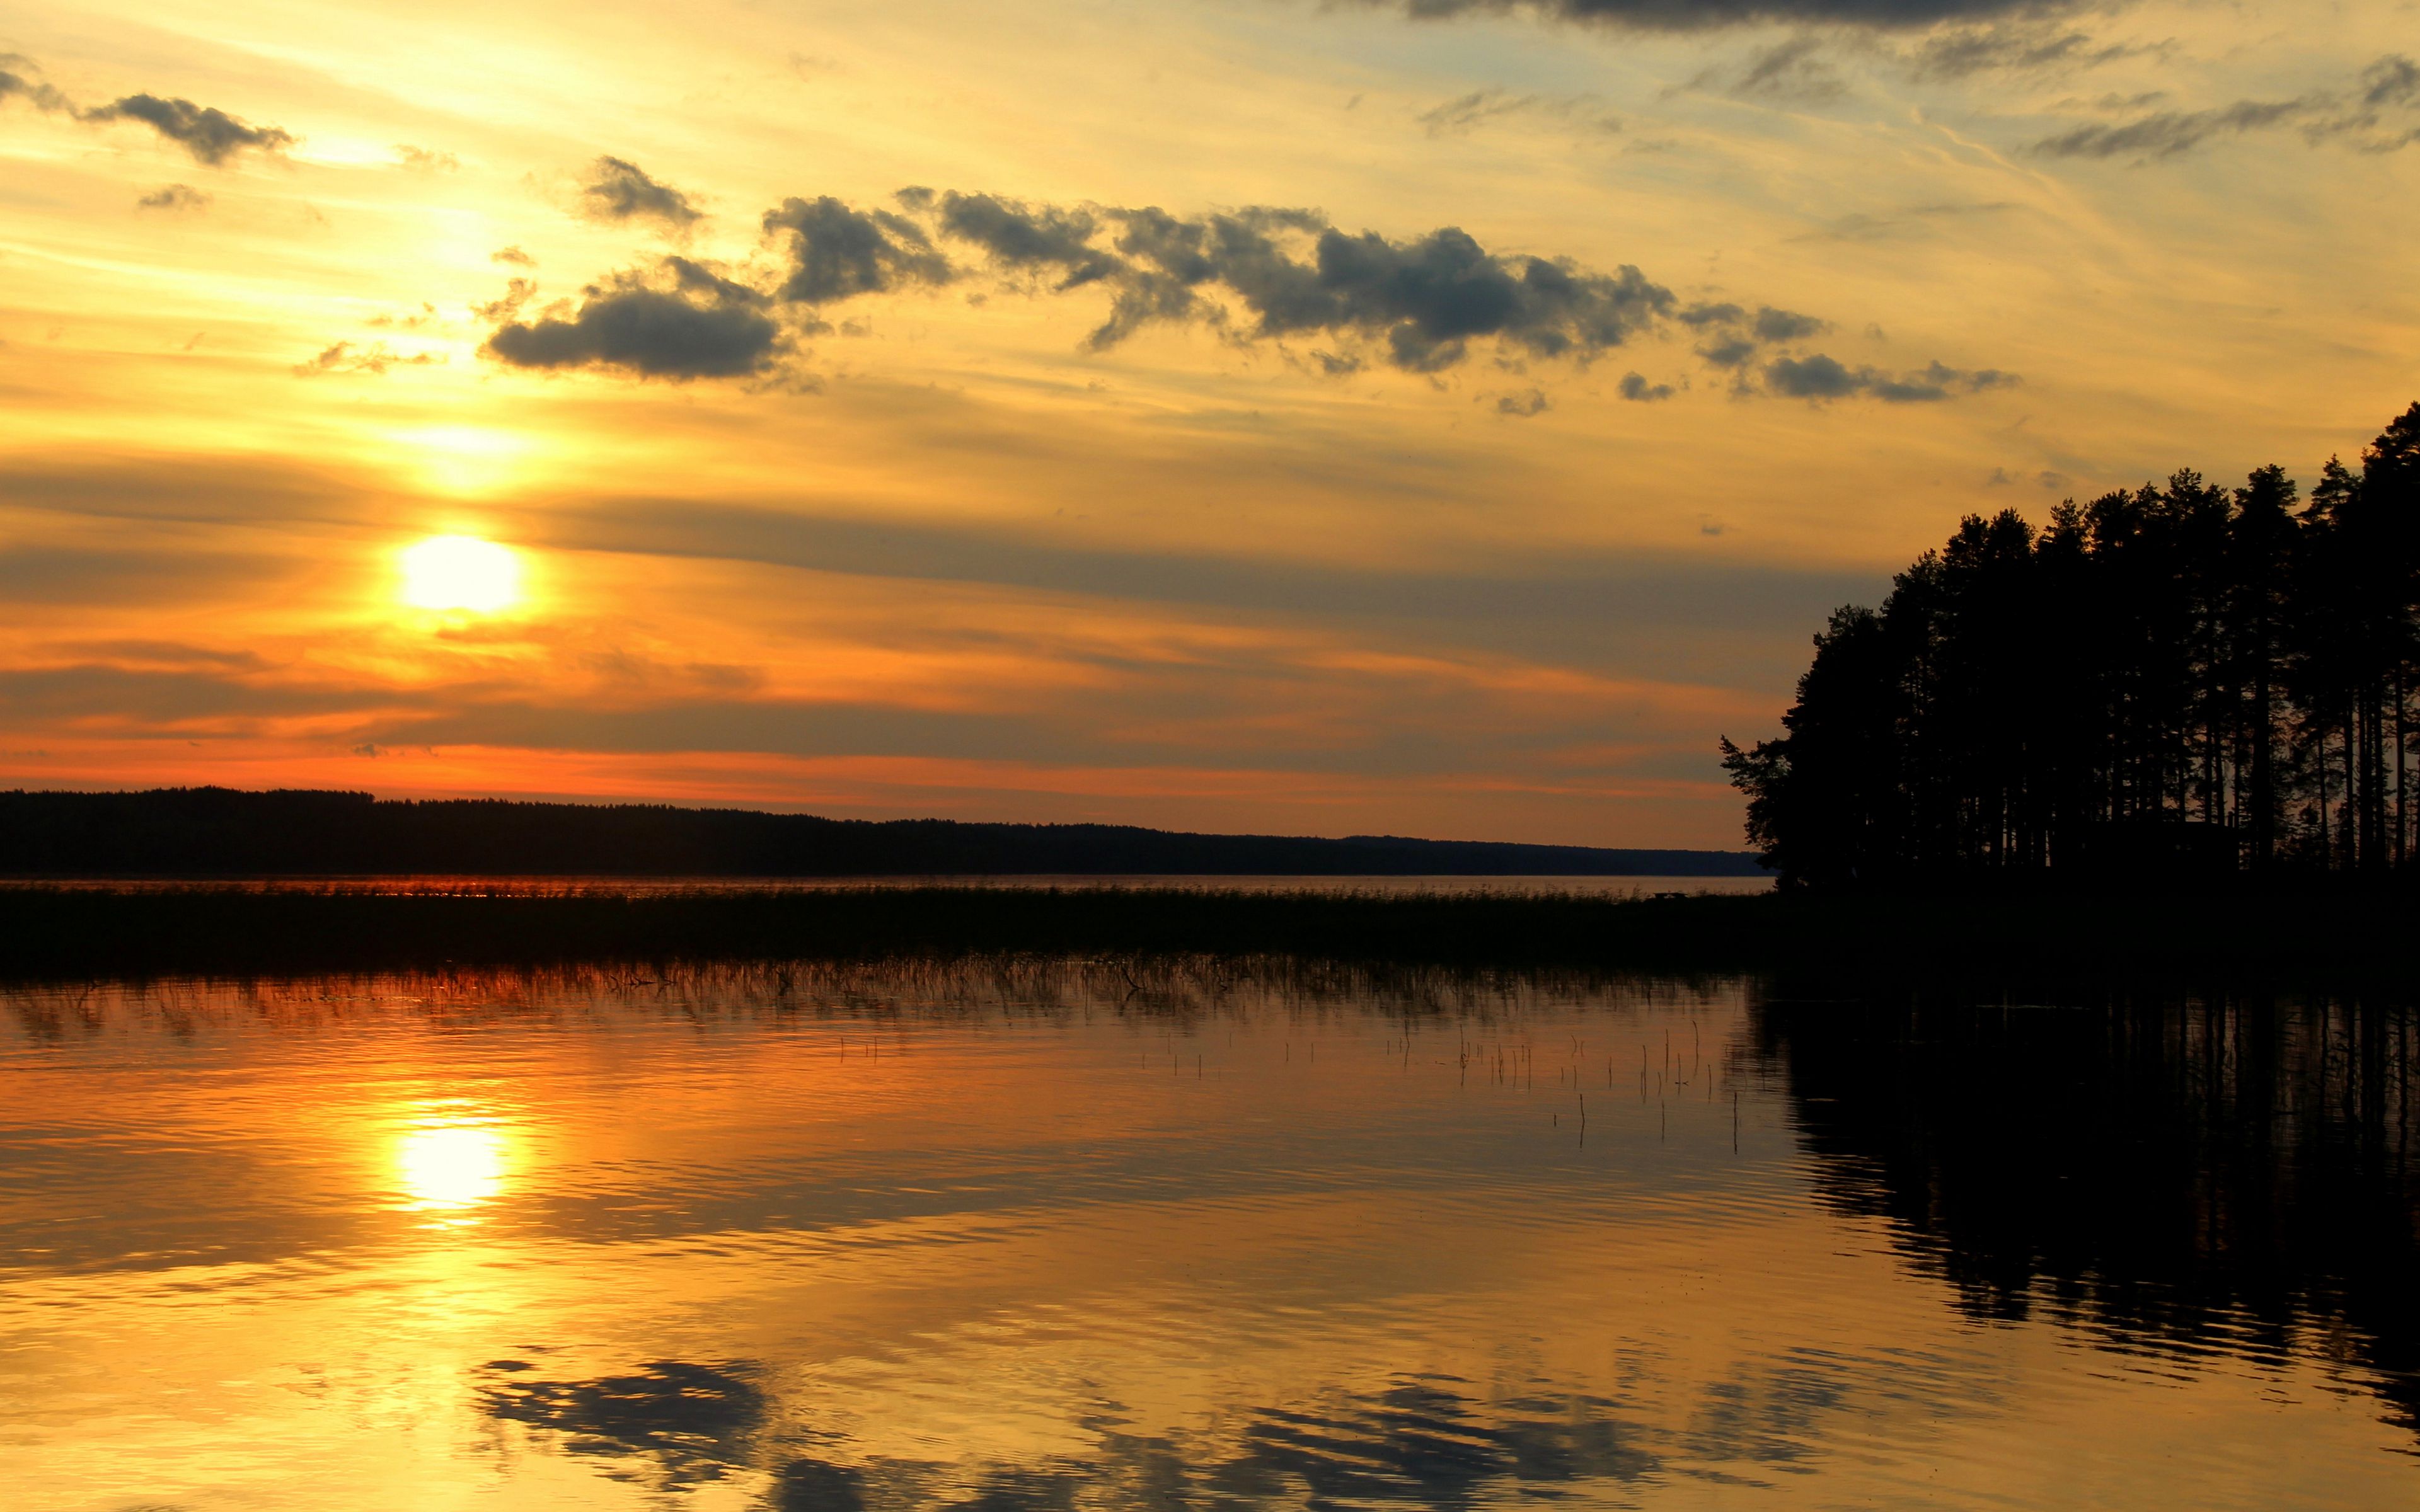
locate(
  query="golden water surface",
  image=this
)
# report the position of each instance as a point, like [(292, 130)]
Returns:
[(1098, 1235)]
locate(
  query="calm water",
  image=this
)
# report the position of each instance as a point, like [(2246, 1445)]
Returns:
[(1083, 1236)]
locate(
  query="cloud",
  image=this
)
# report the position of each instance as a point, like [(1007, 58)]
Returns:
[(1292, 272), (518, 292), (837, 253), (1791, 69), (1467, 113), (2356, 111), (1709, 15), (1819, 377), (621, 190), (680, 321), (1524, 406), (344, 357), (17, 82), (1256, 273), (173, 197), (1456, 116), (210, 134), (1020, 237), (513, 255), (1733, 335), (1786, 325), (425, 160), (1961, 52), (1636, 387)]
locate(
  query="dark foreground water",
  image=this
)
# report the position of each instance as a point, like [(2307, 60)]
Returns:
[(1078, 1235)]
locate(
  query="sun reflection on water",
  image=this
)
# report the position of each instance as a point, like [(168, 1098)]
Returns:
[(452, 1164)]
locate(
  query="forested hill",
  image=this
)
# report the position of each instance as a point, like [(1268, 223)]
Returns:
[(201, 832)]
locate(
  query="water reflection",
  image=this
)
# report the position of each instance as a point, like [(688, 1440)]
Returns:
[(2179, 1175), (450, 1162), (1199, 1235)]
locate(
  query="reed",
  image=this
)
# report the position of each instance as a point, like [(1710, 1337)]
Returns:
[(51, 932)]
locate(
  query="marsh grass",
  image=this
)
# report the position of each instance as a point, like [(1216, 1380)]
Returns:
[(88, 931)]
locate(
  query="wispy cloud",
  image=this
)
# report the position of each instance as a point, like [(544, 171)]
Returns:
[(2379, 112)]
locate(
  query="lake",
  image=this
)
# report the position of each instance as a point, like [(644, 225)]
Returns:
[(1209, 1234)]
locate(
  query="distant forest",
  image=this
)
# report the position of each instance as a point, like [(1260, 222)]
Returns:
[(2185, 678), (205, 832)]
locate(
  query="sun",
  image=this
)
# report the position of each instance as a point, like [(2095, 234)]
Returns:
[(461, 572)]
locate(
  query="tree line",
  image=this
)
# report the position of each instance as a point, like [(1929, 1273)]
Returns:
[(2180, 677), (213, 832)]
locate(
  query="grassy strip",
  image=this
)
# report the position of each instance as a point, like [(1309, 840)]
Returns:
[(85, 933)]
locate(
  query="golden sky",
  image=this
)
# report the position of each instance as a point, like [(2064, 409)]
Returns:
[(1441, 419)]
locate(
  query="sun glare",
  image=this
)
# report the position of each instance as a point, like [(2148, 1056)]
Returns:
[(449, 1166), (461, 572)]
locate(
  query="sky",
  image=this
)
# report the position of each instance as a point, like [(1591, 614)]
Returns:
[(1435, 417)]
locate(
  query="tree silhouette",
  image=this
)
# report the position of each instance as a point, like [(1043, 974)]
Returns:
[(2181, 677)]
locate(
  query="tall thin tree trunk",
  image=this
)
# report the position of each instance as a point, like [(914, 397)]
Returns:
[(2327, 836), (2354, 785)]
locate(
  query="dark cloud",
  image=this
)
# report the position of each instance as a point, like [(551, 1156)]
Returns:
[(621, 190), (1820, 377), (173, 198), (1424, 300), (1636, 387), (1257, 273), (2379, 112), (681, 321), (1029, 239), (1292, 272), (210, 134), (1733, 335), (1433, 295), (514, 255), (837, 253), (1524, 406), (1786, 325), (1708, 15)]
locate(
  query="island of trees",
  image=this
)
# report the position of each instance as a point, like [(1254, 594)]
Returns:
[(2181, 679)]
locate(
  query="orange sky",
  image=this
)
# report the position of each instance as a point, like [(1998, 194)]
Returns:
[(1598, 351)]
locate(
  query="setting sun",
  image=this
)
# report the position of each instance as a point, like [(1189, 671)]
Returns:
[(461, 572)]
